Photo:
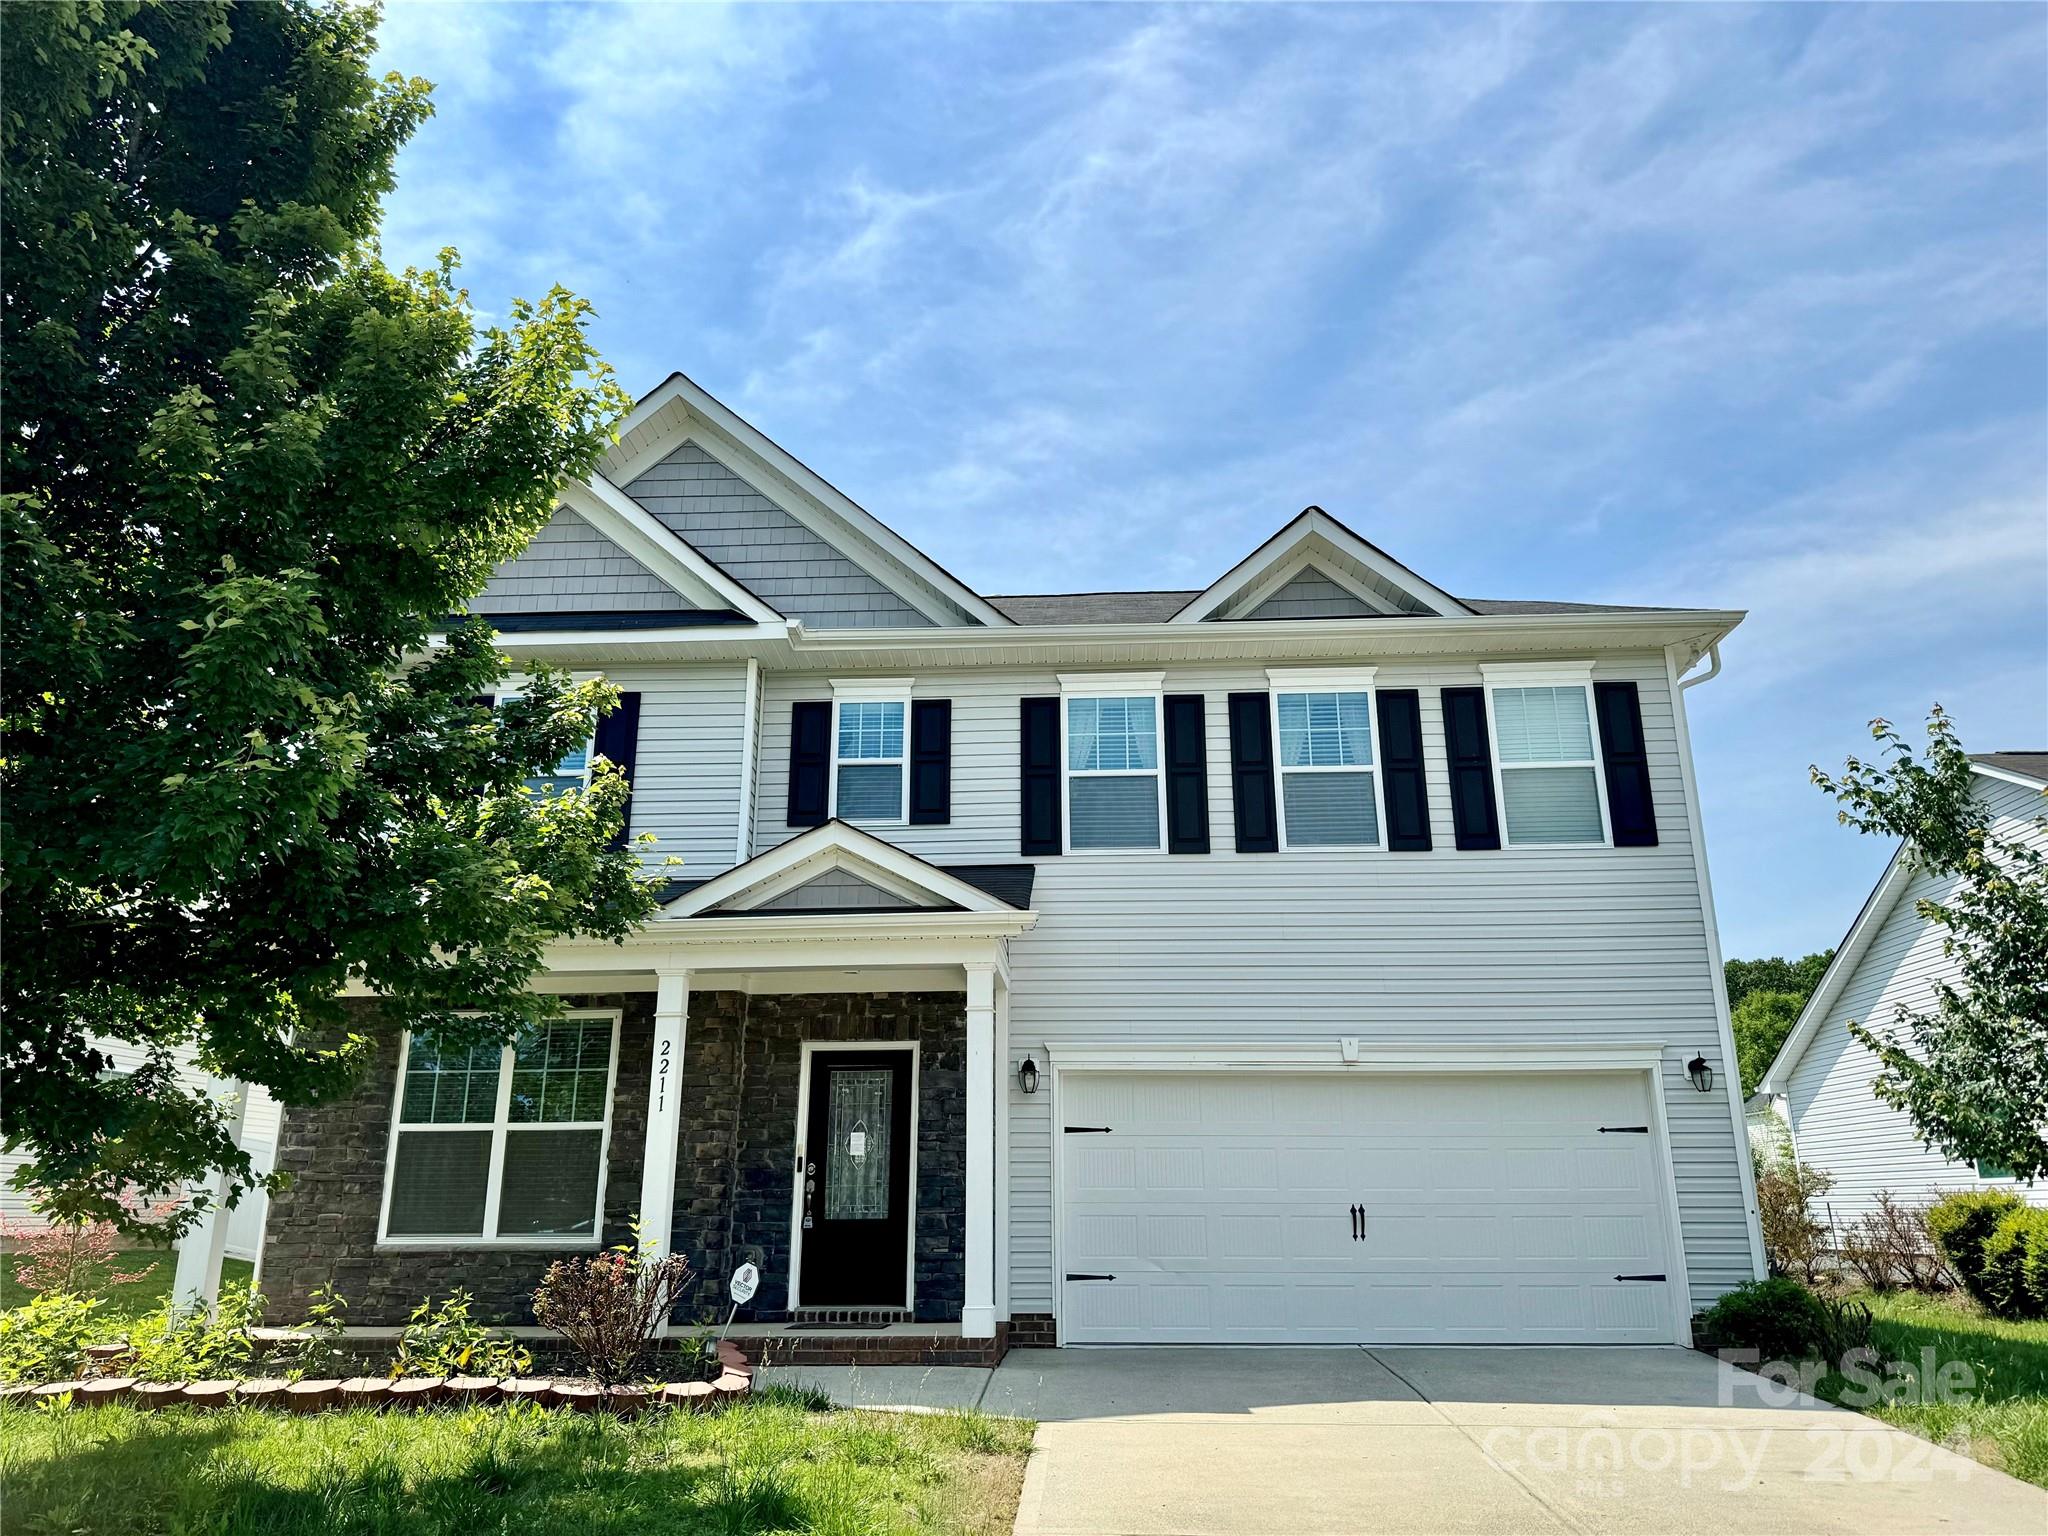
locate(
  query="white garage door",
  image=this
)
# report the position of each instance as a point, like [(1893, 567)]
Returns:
[(1340, 1208)]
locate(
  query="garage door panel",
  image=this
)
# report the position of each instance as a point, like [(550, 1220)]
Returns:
[(1494, 1210)]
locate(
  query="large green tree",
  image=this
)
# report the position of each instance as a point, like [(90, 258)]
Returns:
[(1777, 974), (248, 473), (1971, 1070)]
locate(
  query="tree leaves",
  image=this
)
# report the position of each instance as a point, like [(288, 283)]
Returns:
[(252, 476)]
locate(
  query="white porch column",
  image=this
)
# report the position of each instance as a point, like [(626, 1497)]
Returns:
[(664, 1112), (196, 1280), (1005, 1081), (978, 1316)]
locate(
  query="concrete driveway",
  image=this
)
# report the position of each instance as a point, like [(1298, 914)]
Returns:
[(1297, 1442)]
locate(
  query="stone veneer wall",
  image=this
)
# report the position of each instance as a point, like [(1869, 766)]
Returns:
[(736, 1157), (323, 1230)]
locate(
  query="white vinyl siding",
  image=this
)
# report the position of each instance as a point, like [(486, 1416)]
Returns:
[(687, 765), (504, 1143), (1838, 1124), (1585, 944)]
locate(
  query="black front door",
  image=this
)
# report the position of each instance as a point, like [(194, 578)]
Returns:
[(856, 1180)]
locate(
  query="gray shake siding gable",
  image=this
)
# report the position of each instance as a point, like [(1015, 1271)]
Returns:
[(1311, 595), (765, 549), (572, 568)]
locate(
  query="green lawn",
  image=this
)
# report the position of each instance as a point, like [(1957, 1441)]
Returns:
[(125, 1301), (2005, 1422), (770, 1465)]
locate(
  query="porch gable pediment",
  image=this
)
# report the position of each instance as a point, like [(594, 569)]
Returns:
[(833, 868)]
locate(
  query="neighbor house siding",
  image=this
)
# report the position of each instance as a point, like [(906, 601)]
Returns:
[(1573, 944), (572, 568), (773, 554), (1838, 1125)]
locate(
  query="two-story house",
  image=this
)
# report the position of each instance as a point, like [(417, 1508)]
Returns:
[(1316, 957)]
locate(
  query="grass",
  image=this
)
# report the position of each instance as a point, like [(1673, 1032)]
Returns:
[(768, 1465), (125, 1301), (2002, 1419)]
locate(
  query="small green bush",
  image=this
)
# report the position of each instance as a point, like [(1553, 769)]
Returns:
[(177, 1343), (443, 1340), (1778, 1318), (44, 1339), (1959, 1224), (2016, 1264)]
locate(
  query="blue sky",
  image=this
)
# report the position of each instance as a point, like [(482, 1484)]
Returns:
[(1686, 305)]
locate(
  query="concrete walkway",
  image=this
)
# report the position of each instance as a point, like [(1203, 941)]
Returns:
[(1301, 1442)]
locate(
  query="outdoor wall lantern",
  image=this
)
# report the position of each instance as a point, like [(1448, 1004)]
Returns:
[(1027, 1076), (1701, 1074)]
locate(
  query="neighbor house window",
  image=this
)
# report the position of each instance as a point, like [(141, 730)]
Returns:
[(503, 1143), (1113, 785), (870, 764), (1545, 754), (1992, 1170), (1322, 721)]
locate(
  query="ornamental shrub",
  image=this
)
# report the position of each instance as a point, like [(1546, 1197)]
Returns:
[(44, 1339), (1787, 1191), (609, 1306), (2016, 1265), (1959, 1224), (1778, 1318), (177, 1343), (443, 1340)]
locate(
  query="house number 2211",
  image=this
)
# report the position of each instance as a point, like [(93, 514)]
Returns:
[(661, 1075)]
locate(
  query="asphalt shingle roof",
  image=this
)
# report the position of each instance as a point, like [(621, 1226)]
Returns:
[(2033, 764)]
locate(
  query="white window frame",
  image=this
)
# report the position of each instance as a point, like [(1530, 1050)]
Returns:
[(499, 1126), (589, 747), (872, 690), (1545, 674), (1111, 685), (1281, 680)]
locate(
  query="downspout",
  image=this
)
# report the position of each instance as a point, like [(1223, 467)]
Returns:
[(1712, 672)]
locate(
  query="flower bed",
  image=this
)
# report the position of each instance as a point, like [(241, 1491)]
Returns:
[(398, 1394)]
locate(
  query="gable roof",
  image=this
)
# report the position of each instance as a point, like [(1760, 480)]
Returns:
[(1314, 538), (1863, 932), (622, 520), (679, 409), (836, 845)]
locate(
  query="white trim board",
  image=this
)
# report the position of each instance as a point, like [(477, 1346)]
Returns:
[(844, 845), (1314, 524)]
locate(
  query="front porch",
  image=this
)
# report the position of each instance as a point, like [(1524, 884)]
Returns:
[(815, 1086)]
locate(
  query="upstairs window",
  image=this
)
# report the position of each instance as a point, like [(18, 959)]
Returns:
[(504, 1143), (1113, 784), (870, 767), (1546, 756), (572, 772), (1329, 795)]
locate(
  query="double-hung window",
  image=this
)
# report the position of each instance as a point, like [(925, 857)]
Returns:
[(1545, 754), (1329, 787), (503, 1143), (870, 762), (1115, 792), (572, 772)]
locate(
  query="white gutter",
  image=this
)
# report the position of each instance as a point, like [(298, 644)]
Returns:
[(1712, 672)]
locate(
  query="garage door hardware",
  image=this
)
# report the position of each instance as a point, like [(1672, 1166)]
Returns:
[(1639, 1277), (1357, 1222), (1624, 1130), (1091, 1277), (1087, 1130)]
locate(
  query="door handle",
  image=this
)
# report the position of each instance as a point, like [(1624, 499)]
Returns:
[(1357, 1222)]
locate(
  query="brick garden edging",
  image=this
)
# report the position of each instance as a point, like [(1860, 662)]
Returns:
[(399, 1394)]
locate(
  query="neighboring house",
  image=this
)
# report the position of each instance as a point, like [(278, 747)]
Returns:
[(1315, 957), (1820, 1082), (258, 1139)]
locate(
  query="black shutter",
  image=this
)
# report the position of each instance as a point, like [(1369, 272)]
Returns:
[(1038, 777), (618, 737), (810, 762), (1472, 807), (931, 762), (1401, 762), (1251, 773), (1627, 764), (1187, 775)]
